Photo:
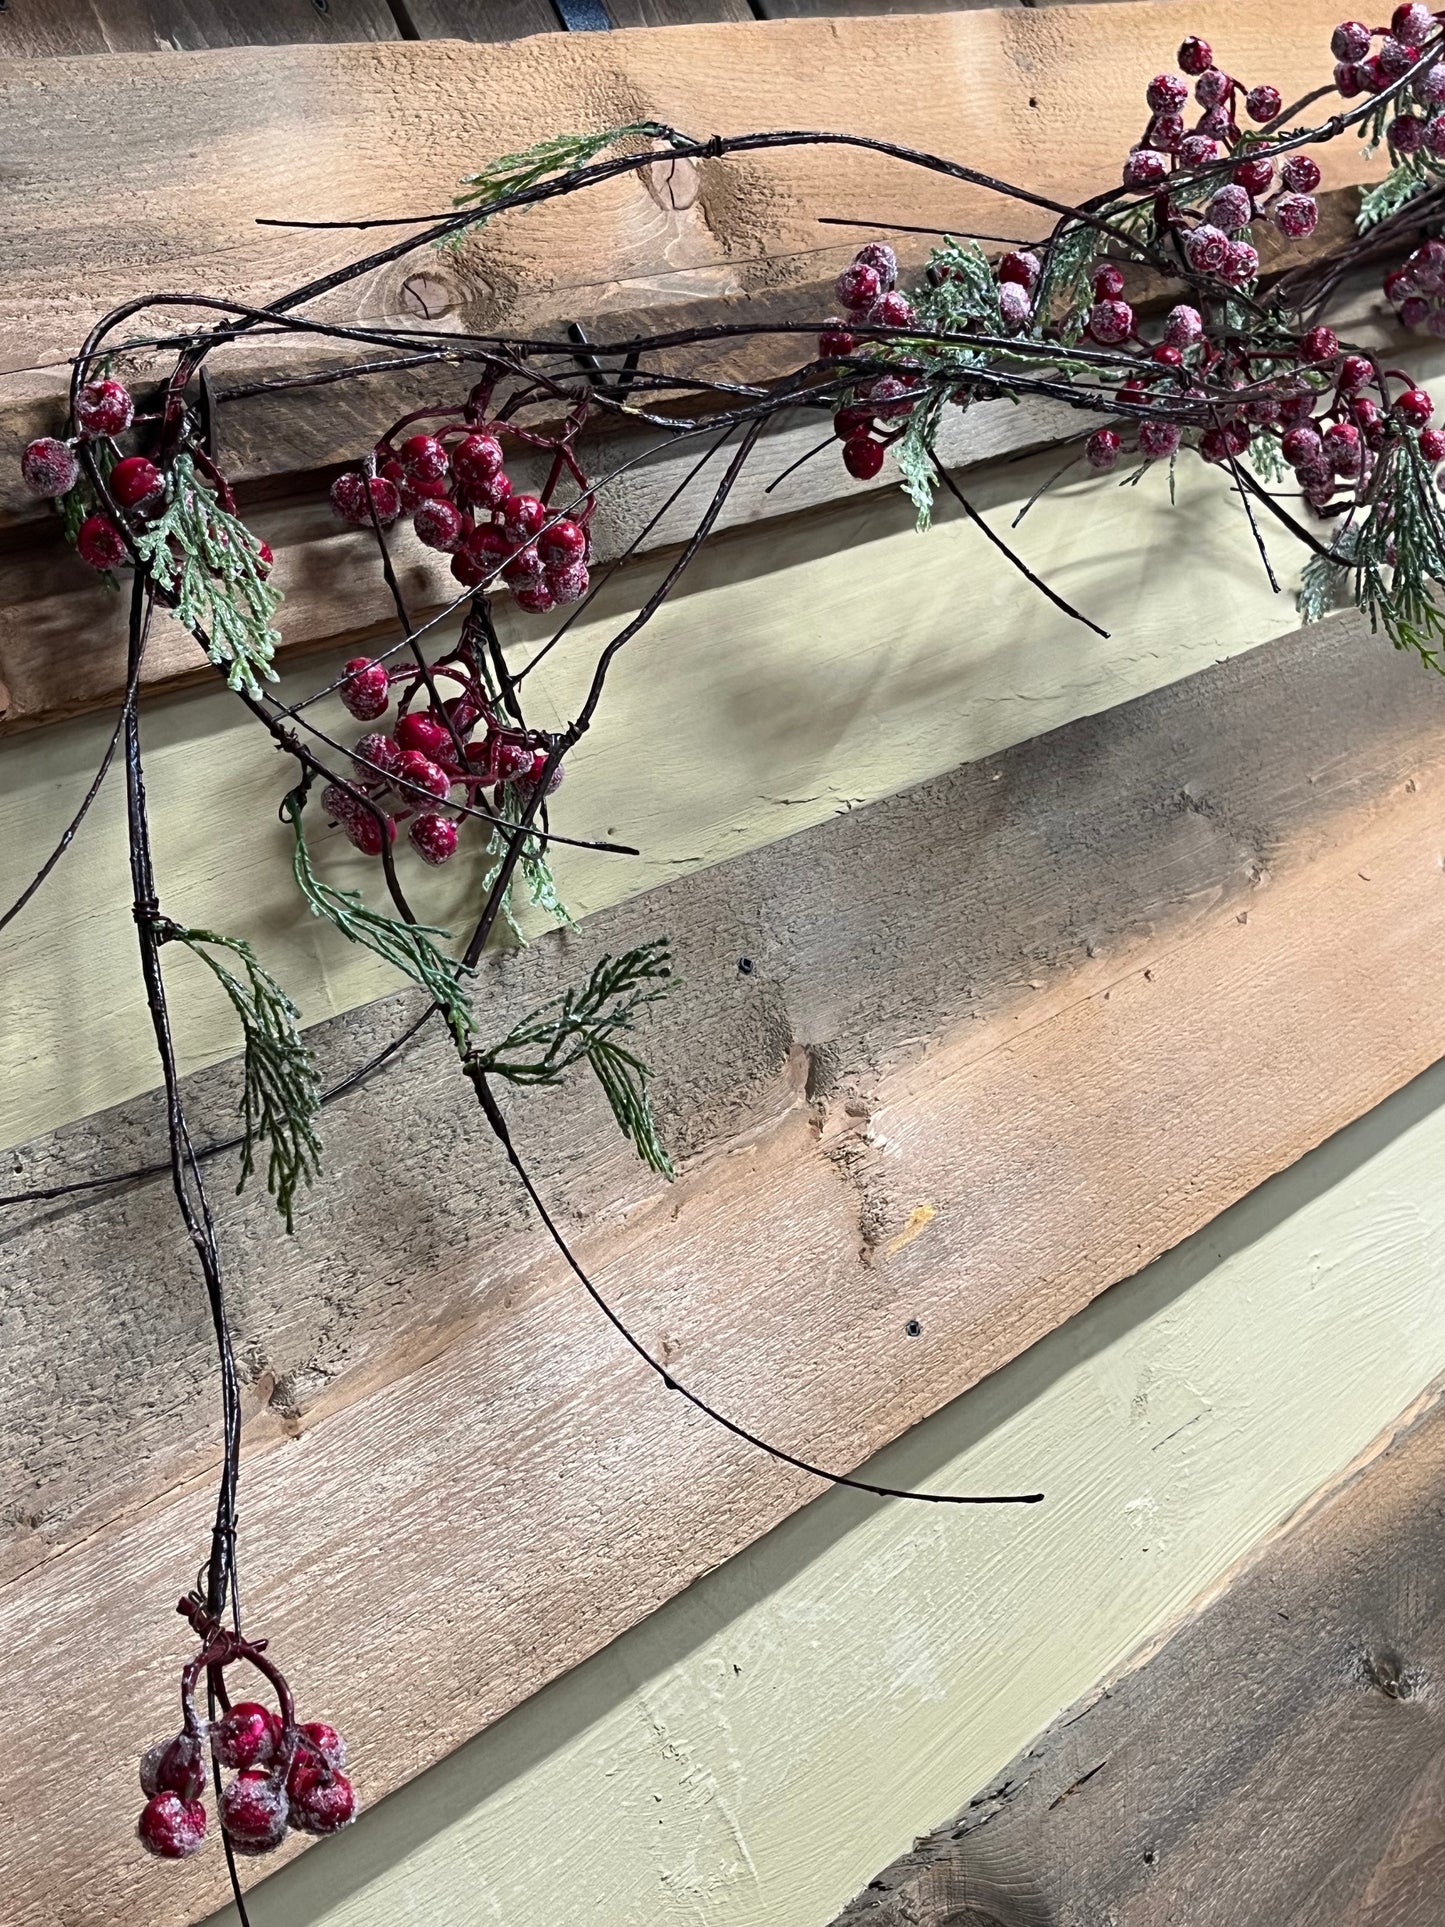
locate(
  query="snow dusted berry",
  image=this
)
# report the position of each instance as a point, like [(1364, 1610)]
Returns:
[(1144, 168), (1405, 134), (322, 1799), (1167, 355), (1356, 372), (1320, 345), (104, 408), (254, 1812), (1195, 56), (1108, 282), (415, 771), (835, 341), (1166, 93), (1166, 131), (1101, 450), (174, 1766), (424, 458), (883, 261), (1230, 209), (1395, 57), (1014, 306), (375, 757), (1350, 40), (1263, 103), (1206, 249), (1349, 79), (417, 730), (136, 483), (410, 491), (1412, 23), (523, 516), (563, 543), (1342, 448), (1198, 150), (365, 694), (858, 287), (1301, 445), (476, 459), (1430, 87), (1241, 265), (1433, 139), (1255, 175), (535, 596), (862, 457), (891, 398), (248, 1735), (522, 568), (1183, 326), (1216, 123), (1213, 88), (895, 310), (434, 838), (353, 498), (1111, 322), (569, 584), (1300, 173), (1022, 268), (1415, 311), (1158, 438), (849, 422), (364, 827), (324, 1739), (49, 468), (1432, 444), (171, 1828), (510, 760), (440, 525), (1221, 444), (100, 543), (1414, 407), (1427, 267)]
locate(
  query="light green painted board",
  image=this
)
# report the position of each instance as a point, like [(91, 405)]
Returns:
[(754, 1752), (800, 671)]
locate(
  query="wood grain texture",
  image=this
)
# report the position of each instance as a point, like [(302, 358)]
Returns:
[(482, 20), (1280, 1763), (45, 29), (756, 1749), (1225, 896)]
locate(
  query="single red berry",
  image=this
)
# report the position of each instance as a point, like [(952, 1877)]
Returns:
[(322, 1800), (1213, 88), (569, 584), (416, 771), (353, 498), (835, 340), (1166, 94), (1183, 326), (1427, 265), (1415, 311), (1217, 445), (895, 310), (523, 516), (1300, 173), (411, 492), (510, 760), (1167, 355), (1263, 103), (476, 459), (1206, 248), (100, 543), (1372, 75), (440, 525), (1342, 447), (1255, 176), (1405, 134), (364, 827), (1295, 215), (534, 596), (136, 483), (253, 1811), (49, 468), (171, 1828), (1355, 373), (891, 398), (425, 457), (248, 1735), (1215, 122), (1350, 40), (1108, 283), (1022, 266), (565, 542), (104, 408), (1320, 345), (434, 838), (468, 570), (1366, 414), (522, 568), (1414, 407), (1432, 444), (1102, 448), (858, 287), (1014, 306), (1144, 168), (324, 1739), (1430, 87), (1166, 133), (1158, 438), (851, 422), (1395, 57), (1241, 264), (417, 730), (862, 457), (1301, 445), (883, 261), (1434, 136), (534, 776), (1349, 79), (1198, 150), (174, 1766), (375, 757), (1111, 322), (1196, 56), (1230, 209), (1412, 22), (366, 693)]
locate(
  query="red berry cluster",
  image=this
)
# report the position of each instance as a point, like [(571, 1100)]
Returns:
[(1417, 288), (868, 289), (1363, 68), (286, 1774), (454, 485), (430, 753)]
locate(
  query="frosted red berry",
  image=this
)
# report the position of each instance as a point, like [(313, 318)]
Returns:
[(1342, 447), (366, 693), (534, 596), (434, 838), (1432, 444), (1414, 407), (563, 543), (1230, 208), (254, 1811), (1295, 215), (1350, 40), (1183, 326), (1300, 173), (476, 459), (375, 757), (1108, 283), (1213, 88), (417, 730), (858, 287), (1412, 22), (862, 457), (569, 584), (1433, 137), (1101, 450), (1430, 87), (895, 310), (891, 398), (440, 525), (1206, 249), (174, 1766), (1166, 132), (1349, 79), (171, 1828), (883, 261), (1395, 57), (1302, 444), (416, 771), (1320, 345), (323, 1739), (136, 482), (1144, 168), (1355, 372), (104, 408), (1405, 134), (523, 516), (523, 567), (1255, 176), (1241, 264), (1111, 322), (1195, 56), (100, 543), (322, 1799), (1158, 438), (1014, 306), (835, 341), (1166, 93), (1263, 103), (247, 1736), (1198, 150), (1021, 266), (424, 457), (49, 468), (353, 497)]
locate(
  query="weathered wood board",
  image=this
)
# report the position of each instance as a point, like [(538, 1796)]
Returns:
[(1280, 1763), (1183, 897)]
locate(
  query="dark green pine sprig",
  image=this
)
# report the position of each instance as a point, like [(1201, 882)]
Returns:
[(590, 1022), (281, 1096)]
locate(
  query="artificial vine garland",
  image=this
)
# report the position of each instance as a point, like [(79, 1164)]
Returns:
[(1242, 370)]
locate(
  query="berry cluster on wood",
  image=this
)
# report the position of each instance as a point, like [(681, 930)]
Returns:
[(287, 1774)]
